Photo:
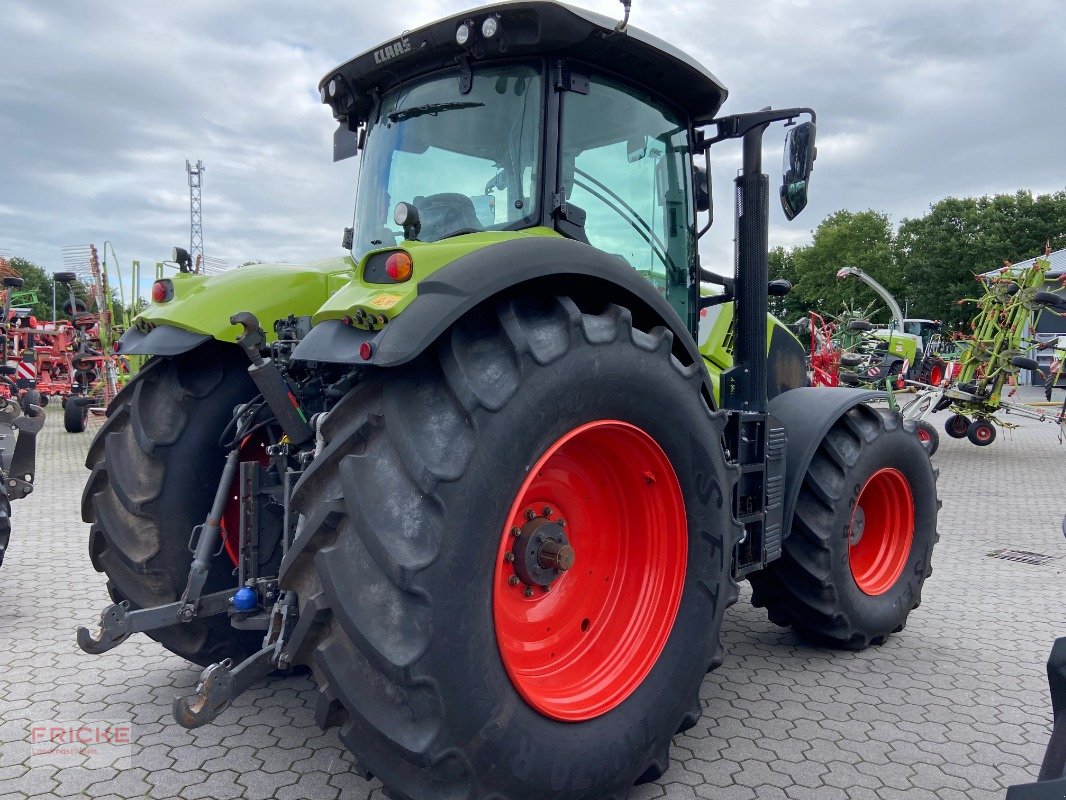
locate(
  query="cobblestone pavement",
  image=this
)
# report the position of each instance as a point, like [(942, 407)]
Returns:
[(955, 706)]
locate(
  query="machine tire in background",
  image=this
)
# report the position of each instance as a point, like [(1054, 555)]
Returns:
[(31, 397), (928, 435), (981, 432), (862, 535), (402, 557), (956, 426), (156, 464), (5, 523), (75, 414)]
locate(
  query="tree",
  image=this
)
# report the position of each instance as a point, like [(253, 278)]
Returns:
[(860, 239), (942, 251)]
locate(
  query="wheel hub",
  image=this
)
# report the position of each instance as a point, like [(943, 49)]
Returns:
[(542, 552)]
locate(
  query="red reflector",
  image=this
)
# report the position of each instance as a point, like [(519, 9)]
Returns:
[(162, 291), (366, 350), (398, 267), (116, 347)]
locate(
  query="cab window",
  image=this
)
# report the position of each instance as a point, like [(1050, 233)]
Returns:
[(625, 162)]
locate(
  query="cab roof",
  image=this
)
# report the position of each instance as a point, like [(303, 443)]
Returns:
[(526, 28)]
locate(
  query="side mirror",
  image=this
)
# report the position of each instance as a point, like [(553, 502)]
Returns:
[(636, 148), (800, 153), (702, 187), (779, 287)]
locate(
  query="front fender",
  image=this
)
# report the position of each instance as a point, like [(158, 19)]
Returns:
[(539, 263), (807, 413)]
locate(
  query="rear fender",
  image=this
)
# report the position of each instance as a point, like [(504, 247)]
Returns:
[(201, 305), (522, 266), (807, 414)]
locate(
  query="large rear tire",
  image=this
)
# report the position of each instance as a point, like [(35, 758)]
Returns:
[(862, 536), (401, 556), (156, 464)]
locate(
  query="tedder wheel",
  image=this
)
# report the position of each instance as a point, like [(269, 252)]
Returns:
[(981, 432), (517, 555), (957, 425), (927, 435), (31, 398), (76, 415), (156, 463), (862, 535)]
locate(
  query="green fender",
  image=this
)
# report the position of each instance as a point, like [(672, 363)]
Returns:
[(203, 304)]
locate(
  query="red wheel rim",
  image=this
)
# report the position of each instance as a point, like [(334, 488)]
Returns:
[(881, 531), (580, 648), (923, 435), (983, 433), (253, 448)]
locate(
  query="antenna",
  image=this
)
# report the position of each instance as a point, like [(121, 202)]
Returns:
[(621, 26), (196, 226)]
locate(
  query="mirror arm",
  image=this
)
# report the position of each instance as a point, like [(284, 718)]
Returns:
[(738, 125)]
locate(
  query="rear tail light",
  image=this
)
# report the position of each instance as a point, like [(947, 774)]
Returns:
[(399, 267), (162, 291)]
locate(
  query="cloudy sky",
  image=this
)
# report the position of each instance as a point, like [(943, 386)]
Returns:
[(101, 103)]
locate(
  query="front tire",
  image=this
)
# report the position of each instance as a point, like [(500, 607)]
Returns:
[(156, 464), (862, 536), (401, 555)]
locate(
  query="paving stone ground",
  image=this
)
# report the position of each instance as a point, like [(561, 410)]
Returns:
[(956, 706)]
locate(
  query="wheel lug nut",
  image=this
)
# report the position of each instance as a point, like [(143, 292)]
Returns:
[(528, 592), (509, 558), (547, 588), (516, 532), (513, 580), (547, 511), (562, 523), (531, 514)]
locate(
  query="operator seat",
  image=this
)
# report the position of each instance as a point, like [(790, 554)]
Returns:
[(444, 213)]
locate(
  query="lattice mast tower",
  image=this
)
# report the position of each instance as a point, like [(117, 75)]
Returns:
[(196, 228)]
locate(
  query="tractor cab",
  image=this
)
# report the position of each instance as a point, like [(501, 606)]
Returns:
[(924, 329), (527, 119)]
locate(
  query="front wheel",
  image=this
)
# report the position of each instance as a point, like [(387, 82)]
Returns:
[(862, 535), (517, 548)]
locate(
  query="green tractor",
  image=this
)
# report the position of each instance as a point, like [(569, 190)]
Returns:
[(907, 350), (495, 475)]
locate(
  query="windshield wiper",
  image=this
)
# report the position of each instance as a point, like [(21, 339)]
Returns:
[(430, 108)]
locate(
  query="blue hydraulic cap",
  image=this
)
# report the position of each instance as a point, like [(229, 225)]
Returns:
[(246, 599)]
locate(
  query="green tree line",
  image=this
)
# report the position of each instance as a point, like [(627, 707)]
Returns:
[(928, 263)]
